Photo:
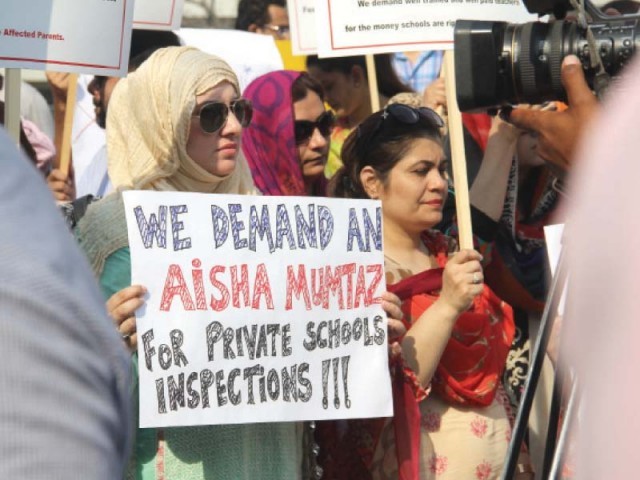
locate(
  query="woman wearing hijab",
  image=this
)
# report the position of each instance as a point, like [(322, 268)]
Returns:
[(175, 125), (287, 143)]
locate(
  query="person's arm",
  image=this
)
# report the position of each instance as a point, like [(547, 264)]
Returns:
[(559, 132), (489, 188), (427, 338)]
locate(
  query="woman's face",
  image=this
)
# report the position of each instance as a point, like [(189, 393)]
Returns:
[(340, 91), (215, 152), (314, 151), (416, 188)]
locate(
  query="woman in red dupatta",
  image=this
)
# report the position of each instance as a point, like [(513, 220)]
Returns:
[(449, 421)]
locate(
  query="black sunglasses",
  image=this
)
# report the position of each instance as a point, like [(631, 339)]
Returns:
[(213, 115), (303, 129), (403, 114)]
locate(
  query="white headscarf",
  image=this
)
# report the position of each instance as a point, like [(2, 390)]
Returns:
[(148, 125)]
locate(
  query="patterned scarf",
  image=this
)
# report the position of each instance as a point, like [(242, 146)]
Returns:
[(471, 365), (517, 271), (269, 143), (473, 360)]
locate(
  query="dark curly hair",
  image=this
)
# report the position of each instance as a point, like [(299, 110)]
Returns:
[(380, 142), (388, 82), (302, 85), (255, 12)]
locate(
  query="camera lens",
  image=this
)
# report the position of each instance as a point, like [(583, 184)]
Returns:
[(537, 50)]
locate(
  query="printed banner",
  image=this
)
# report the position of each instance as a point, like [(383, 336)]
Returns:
[(79, 36), (260, 309), (158, 14), (302, 20), (360, 27)]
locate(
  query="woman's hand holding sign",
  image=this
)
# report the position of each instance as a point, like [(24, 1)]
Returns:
[(121, 307), (396, 329)]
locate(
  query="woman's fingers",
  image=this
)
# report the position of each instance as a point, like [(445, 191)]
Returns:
[(396, 329), (125, 310), (121, 307), (128, 327), (131, 341), (125, 294), (465, 256), (463, 279), (392, 305)]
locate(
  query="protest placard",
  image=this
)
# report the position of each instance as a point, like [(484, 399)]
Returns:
[(249, 54), (260, 309), (158, 14), (72, 36), (302, 20), (359, 27)]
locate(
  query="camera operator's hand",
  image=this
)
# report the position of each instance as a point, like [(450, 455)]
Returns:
[(559, 132)]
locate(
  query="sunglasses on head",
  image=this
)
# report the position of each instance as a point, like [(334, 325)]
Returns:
[(409, 115), (401, 113), (304, 129), (213, 115)]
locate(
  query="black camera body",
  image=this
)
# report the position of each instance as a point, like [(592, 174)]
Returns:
[(499, 63)]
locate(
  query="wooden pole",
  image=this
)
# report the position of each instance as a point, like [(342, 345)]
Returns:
[(65, 149), (373, 83), (12, 103), (458, 157)]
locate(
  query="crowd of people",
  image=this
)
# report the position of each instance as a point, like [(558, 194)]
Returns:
[(460, 322)]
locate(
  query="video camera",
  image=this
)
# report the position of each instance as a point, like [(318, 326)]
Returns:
[(499, 63)]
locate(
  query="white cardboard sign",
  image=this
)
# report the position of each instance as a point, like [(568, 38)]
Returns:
[(249, 54), (158, 14), (360, 27), (260, 309), (80, 36), (302, 20)]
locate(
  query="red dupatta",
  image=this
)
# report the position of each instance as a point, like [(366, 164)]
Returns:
[(470, 368)]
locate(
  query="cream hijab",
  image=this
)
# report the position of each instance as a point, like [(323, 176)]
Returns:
[(148, 125)]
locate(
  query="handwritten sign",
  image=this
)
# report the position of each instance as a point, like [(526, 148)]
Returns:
[(158, 14), (302, 19), (259, 308), (80, 36), (360, 27)]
